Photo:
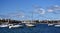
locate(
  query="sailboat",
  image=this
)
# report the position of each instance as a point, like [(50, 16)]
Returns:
[(15, 26), (50, 24), (29, 25), (4, 25), (58, 25)]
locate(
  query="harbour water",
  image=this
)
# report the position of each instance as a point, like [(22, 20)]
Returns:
[(40, 28)]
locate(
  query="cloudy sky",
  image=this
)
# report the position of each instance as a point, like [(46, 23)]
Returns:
[(30, 9)]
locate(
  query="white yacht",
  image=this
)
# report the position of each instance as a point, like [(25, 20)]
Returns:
[(50, 24), (3, 25), (15, 26), (58, 25), (29, 25)]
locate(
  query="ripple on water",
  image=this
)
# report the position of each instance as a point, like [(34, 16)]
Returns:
[(40, 28)]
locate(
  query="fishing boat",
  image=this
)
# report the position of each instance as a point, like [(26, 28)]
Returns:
[(3, 25), (15, 26), (50, 24), (58, 25), (29, 25)]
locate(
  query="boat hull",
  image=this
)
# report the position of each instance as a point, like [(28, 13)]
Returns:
[(15, 26), (57, 25), (3, 25)]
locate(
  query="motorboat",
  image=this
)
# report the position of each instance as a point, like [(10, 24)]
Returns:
[(3, 25), (15, 26), (50, 24), (29, 25), (58, 25)]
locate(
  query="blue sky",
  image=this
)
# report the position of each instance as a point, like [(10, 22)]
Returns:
[(12, 7)]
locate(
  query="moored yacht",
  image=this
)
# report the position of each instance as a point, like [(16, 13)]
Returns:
[(50, 24), (3, 25), (29, 25), (15, 26), (58, 25)]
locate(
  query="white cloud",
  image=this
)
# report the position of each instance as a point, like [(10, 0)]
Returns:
[(50, 10), (53, 8), (56, 7), (20, 14), (41, 11)]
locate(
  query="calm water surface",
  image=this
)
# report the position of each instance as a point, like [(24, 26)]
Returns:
[(40, 28)]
